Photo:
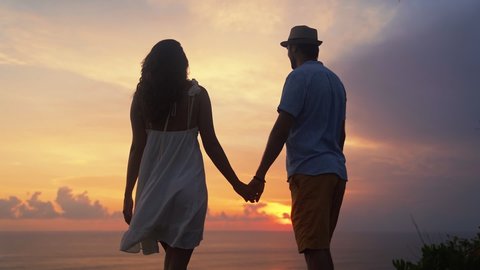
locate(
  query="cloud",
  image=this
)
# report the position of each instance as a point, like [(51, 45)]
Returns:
[(106, 47), (13, 207), (251, 213), (71, 206), (89, 52), (241, 16), (420, 80), (265, 215), (8, 60), (410, 68), (34, 208), (414, 92), (79, 206), (8, 207), (218, 41)]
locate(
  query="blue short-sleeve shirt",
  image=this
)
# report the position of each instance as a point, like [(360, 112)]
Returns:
[(316, 98)]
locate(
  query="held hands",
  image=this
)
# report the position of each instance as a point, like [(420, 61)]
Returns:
[(251, 192), (257, 185), (244, 191)]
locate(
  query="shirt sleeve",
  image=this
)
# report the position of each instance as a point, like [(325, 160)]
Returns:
[(293, 95)]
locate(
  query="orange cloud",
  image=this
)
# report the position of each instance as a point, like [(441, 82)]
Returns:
[(70, 205), (260, 216), (79, 212)]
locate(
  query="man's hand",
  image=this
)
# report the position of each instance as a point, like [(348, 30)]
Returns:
[(257, 186), (127, 209)]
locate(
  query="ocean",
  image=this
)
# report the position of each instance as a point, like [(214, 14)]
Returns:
[(218, 250)]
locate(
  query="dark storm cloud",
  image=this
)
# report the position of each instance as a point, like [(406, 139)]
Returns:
[(416, 89), (420, 82)]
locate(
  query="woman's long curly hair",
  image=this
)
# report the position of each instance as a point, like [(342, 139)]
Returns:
[(163, 79)]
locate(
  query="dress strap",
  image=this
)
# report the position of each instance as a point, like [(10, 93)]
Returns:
[(192, 92), (190, 110), (173, 112), (166, 123)]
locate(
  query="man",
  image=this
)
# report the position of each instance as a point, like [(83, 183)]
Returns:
[(311, 121)]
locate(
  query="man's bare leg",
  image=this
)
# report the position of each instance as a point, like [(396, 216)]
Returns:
[(318, 259)]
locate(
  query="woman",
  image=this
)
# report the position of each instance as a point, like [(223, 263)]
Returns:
[(167, 113)]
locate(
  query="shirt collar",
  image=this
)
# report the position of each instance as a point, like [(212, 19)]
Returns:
[(313, 62)]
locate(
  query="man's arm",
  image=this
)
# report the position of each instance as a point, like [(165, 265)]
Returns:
[(342, 136), (276, 140)]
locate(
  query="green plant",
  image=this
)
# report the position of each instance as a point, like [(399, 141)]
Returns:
[(453, 254)]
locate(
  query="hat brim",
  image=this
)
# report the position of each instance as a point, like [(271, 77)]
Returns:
[(300, 41)]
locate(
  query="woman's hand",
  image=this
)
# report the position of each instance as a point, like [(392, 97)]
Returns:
[(245, 191), (127, 209)]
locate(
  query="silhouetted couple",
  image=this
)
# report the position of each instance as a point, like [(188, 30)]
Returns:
[(168, 111)]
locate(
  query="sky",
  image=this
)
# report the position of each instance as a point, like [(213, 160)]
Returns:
[(68, 70)]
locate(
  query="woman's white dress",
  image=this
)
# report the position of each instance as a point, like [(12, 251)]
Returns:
[(171, 197)]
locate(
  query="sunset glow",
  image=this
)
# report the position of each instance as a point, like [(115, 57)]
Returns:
[(68, 70)]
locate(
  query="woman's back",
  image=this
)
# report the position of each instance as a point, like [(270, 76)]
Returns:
[(178, 118), (165, 157), (171, 197)]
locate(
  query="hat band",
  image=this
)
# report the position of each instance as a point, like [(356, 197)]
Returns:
[(297, 41), (310, 40)]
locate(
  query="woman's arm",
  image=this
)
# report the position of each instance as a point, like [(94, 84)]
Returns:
[(139, 138), (213, 148)]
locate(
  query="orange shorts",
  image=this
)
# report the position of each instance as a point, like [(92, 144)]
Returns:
[(316, 202)]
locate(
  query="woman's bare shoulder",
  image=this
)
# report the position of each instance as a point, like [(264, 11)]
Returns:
[(203, 93), (203, 90), (135, 105)]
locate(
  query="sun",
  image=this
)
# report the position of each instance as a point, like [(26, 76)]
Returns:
[(280, 211)]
